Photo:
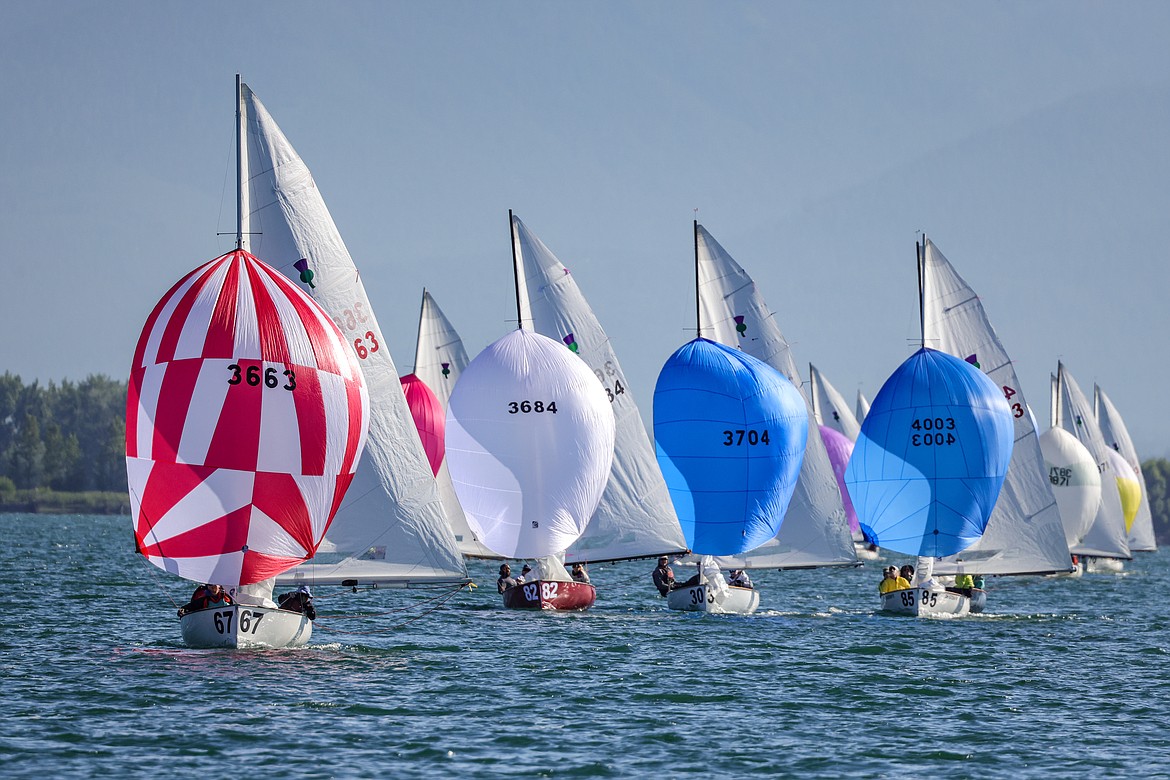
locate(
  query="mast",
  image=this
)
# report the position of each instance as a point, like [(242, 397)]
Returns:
[(240, 157), (812, 380), (1056, 404), (698, 314), (920, 250), (515, 270)]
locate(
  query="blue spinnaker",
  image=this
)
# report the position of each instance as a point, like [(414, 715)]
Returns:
[(730, 433), (931, 458)]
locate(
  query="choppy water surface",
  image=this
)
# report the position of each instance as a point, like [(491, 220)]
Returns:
[(1062, 677)]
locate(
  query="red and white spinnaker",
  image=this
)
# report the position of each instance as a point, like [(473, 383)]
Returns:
[(245, 421)]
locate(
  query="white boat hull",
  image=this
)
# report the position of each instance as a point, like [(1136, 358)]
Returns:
[(700, 598), (924, 602), (245, 626), (1104, 565)]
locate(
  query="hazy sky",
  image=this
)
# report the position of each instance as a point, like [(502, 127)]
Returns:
[(1030, 140)]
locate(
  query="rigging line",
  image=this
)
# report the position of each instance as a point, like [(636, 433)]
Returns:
[(447, 597)]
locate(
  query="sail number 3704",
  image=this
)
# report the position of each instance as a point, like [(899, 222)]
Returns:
[(750, 437)]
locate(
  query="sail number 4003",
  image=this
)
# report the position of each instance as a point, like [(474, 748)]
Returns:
[(936, 431), (249, 621), (751, 437), (530, 407)]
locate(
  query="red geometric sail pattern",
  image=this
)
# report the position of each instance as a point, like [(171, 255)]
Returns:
[(245, 420)]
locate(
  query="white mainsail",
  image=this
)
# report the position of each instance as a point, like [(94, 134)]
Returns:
[(1106, 538), (1024, 533), (862, 407), (439, 359), (391, 527), (830, 407), (635, 518), (814, 531), (1141, 533)]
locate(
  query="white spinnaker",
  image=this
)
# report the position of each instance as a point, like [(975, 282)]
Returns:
[(1106, 538), (1024, 533), (1075, 482), (814, 531), (391, 527), (529, 474), (635, 518), (830, 407), (439, 359), (1141, 533)]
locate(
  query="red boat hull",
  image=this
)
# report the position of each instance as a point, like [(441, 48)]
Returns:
[(551, 594)]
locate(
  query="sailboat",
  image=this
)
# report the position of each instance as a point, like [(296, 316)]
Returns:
[(815, 532), (730, 433), (530, 443), (839, 429), (1024, 534), (1107, 537), (1073, 476), (439, 359), (391, 529), (1141, 531), (245, 422), (929, 464), (635, 518)]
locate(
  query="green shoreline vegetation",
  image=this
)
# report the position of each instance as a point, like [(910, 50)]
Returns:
[(62, 451)]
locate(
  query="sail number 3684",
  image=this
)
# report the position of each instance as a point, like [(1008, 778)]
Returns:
[(751, 437), (936, 431), (531, 407)]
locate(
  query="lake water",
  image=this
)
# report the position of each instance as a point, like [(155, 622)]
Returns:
[(1061, 677)]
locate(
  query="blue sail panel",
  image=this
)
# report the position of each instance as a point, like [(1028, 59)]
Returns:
[(931, 458), (730, 433)]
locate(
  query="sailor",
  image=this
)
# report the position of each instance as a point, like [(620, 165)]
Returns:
[(664, 577), (299, 600), (738, 578), (963, 584), (579, 574), (198, 600), (891, 581), (524, 574), (505, 579)]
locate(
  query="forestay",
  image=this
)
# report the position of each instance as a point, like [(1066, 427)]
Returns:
[(1107, 536), (733, 312), (730, 433), (635, 517), (1141, 533), (530, 438), (245, 421), (439, 359), (931, 458), (391, 528), (1024, 534)]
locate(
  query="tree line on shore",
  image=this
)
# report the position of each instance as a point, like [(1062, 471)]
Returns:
[(70, 437)]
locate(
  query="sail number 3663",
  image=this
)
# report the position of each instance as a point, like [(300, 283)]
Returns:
[(252, 376), (936, 431), (751, 437), (531, 407)]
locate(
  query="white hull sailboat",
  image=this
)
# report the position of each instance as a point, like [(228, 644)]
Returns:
[(245, 627), (732, 433), (931, 459)]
